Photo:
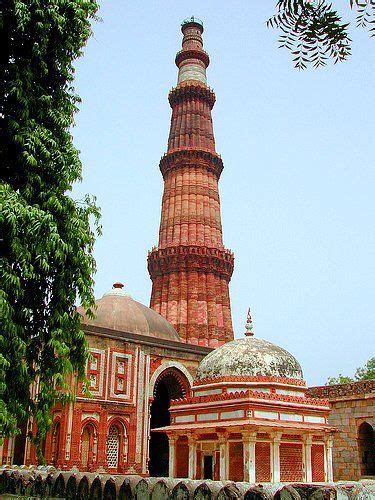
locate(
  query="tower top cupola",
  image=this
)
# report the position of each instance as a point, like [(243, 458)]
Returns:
[(192, 21), (192, 60)]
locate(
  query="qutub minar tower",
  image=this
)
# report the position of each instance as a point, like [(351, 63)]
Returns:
[(190, 269)]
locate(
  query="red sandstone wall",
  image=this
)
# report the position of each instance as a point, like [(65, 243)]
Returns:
[(317, 462), (236, 461), (263, 462), (291, 462), (182, 456), (103, 408)]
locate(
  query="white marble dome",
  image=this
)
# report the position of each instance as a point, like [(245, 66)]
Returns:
[(249, 357)]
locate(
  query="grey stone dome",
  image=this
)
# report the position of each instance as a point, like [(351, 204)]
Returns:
[(116, 310), (249, 357)]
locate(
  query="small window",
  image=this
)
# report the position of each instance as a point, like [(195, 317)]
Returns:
[(93, 370), (120, 375)]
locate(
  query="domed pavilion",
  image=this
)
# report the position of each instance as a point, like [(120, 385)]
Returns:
[(248, 418)]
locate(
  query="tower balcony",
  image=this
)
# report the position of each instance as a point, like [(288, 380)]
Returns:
[(191, 258)]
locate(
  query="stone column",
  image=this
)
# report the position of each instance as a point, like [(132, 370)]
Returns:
[(307, 444), (10, 454), (100, 443), (276, 439), (192, 442), (69, 426), (248, 442), (328, 460), (148, 437), (76, 435), (223, 449), (172, 455)]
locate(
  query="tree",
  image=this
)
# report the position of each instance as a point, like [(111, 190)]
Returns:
[(314, 32), (341, 379), (365, 373), (47, 237)]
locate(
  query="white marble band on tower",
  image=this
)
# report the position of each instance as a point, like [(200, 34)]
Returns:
[(191, 71), (192, 60)]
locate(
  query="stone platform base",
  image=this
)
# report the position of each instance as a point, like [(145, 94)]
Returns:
[(47, 482)]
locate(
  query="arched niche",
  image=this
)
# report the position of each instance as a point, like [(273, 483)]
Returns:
[(55, 445), (116, 445), (170, 383), (88, 445), (366, 449)]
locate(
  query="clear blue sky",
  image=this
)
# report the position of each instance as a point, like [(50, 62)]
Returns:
[(297, 189)]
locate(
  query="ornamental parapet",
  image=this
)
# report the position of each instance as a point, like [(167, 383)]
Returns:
[(338, 391), (199, 54), (189, 91), (187, 157), (257, 378), (191, 258), (251, 394)]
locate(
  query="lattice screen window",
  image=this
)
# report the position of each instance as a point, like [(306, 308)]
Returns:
[(93, 369), (120, 375), (113, 444)]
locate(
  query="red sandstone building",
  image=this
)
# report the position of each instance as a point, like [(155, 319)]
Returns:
[(172, 392)]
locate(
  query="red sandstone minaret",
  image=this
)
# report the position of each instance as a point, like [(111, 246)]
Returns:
[(190, 269)]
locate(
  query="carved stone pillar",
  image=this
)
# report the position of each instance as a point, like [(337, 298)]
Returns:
[(249, 441), (100, 443), (328, 462), (307, 445), (192, 442), (223, 449), (172, 455), (276, 439)]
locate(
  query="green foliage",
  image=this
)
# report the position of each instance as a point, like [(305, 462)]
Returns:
[(365, 373), (314, 32), (341, 379), (46, 261), (365, 14)]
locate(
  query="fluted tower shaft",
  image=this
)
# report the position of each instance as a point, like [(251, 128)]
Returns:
[(190, 269)]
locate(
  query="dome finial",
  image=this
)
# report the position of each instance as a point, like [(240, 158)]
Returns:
[(118, 285), (249, 324), (117, 289)]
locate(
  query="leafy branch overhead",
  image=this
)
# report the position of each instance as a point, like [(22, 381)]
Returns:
[(47, 237), (365, 14), (314, 32)]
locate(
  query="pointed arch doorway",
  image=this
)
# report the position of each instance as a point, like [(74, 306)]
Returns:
[(366, 448), (170, 384)]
